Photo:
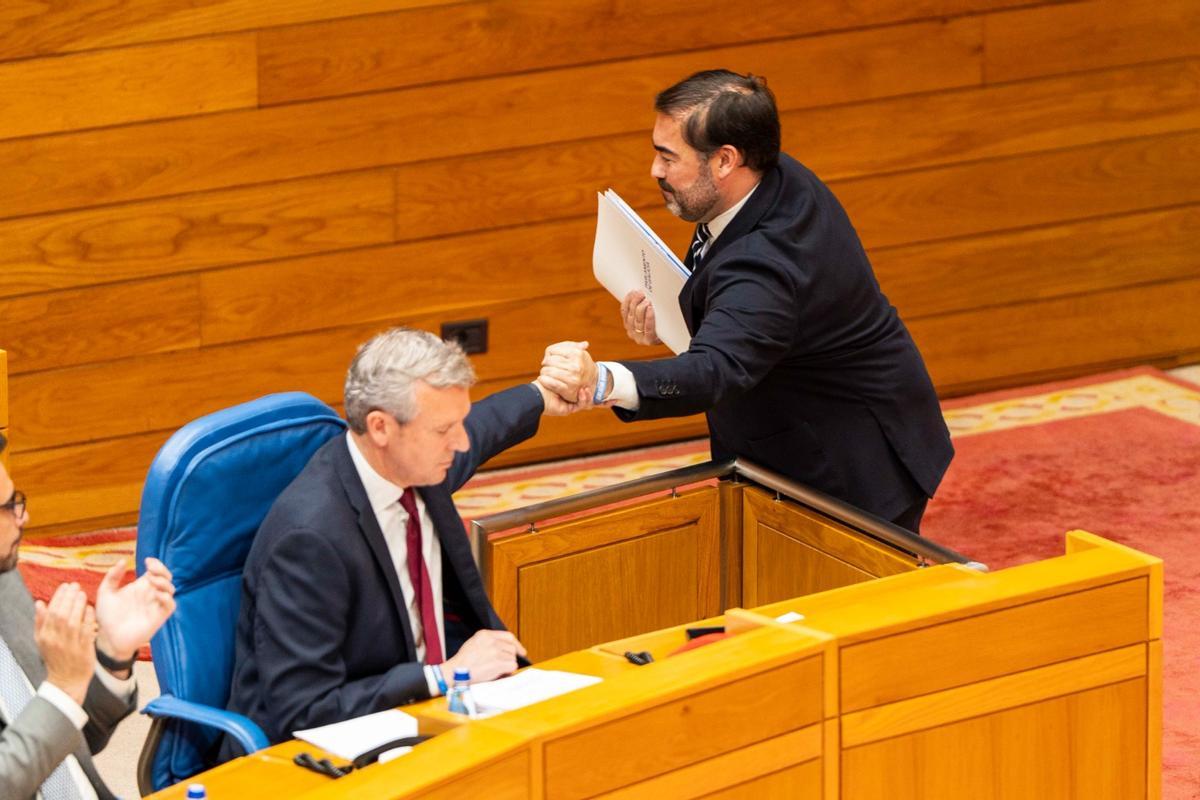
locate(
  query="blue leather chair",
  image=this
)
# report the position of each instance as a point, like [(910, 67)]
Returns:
[(207, 491)]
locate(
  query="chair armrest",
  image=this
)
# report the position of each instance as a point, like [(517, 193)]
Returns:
[(242, 729)]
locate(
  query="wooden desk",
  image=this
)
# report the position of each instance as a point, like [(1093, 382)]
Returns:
[(1043, 680)]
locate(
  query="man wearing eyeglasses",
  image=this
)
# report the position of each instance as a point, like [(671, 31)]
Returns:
[(65, 667)]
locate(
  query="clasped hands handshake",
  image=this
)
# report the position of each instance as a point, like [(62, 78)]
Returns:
[(68, 630), (568, 377)]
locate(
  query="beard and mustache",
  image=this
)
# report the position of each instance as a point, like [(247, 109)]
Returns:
[(693, 203)]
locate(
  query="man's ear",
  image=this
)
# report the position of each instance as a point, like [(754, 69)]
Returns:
[(377, 427), (728, 158)]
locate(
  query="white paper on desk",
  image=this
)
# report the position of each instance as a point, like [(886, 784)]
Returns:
[(527, 687), (629, 255), (352, 738)]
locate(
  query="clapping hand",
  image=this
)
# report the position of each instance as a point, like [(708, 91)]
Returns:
[(129, 615)]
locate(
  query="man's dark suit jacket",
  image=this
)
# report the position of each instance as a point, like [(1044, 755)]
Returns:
[(37, 741), (800, 362), (323, 632)]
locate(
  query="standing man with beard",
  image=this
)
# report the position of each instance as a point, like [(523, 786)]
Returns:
[(800, 362)]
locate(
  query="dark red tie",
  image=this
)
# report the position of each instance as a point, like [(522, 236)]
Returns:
[(419, 575)]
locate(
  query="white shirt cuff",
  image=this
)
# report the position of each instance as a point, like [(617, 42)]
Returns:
[(121, 688), (64, 703), (431, 682), (624, 387)]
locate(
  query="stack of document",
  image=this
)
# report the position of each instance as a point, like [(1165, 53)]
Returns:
[(628, 255), (527, 687)]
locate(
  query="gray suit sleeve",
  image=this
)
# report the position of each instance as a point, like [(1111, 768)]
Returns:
[(104, 710), (31, 747)]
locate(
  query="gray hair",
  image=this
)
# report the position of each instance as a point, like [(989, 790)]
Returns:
[(385, 370)]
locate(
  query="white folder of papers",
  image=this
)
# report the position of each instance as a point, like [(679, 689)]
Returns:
[(629, 255), (353, 737), (527, 687)]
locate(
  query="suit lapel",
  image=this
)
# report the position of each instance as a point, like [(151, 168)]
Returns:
[(456, 549), (16, 625), (368, 526)]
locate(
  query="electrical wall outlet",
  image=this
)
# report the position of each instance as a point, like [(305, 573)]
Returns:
[(471, 334)]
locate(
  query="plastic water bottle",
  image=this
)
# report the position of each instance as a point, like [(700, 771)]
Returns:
[(196, 791), (459, 699)]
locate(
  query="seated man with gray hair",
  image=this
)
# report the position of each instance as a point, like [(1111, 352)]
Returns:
[(360, 592)]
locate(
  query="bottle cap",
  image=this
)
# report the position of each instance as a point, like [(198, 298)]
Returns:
[(196, 791), (462, 674)]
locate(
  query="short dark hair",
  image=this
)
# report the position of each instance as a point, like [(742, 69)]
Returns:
[(3, 443), (718, 107)]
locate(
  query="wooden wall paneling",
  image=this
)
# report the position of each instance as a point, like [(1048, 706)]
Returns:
[(3, 388), (551, 181), (195, 232), (33, 29), (1056, 186), (1010, 267), (431, 276), (190, 383), (1089, 35), (985, 646), (1024, 750), (100, 324), (407, 125), (110, 87), (90, 485), (1064, 336), (388, 51)]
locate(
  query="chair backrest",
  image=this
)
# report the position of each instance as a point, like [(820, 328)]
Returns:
[(207, 491)]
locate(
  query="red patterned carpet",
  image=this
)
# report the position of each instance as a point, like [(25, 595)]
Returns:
[(1115, 454)]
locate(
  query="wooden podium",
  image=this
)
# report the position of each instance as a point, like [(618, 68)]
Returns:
[(903, 677)]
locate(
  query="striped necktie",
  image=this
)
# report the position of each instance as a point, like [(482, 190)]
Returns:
[(17, 693), (698, 242)]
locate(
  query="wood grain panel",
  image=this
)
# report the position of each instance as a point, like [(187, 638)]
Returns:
[(1080, 36), (29, 29), (89, 90), (392, 50), (568, 585), (801, 782), (785, 766), (989, 697), (989, 645), (435, 276), (685, 731), (612, 591), (980, 197), (1069, 335), (1040, 263), (1087, 746), (90, 481), (142, 240), (791, 552), (560, 180), (3, 388), (507, 779), (190, 383), (410, 125), (82, 326)]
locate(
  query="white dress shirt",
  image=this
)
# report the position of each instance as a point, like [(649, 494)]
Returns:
[(624, 387), (384, 497)]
